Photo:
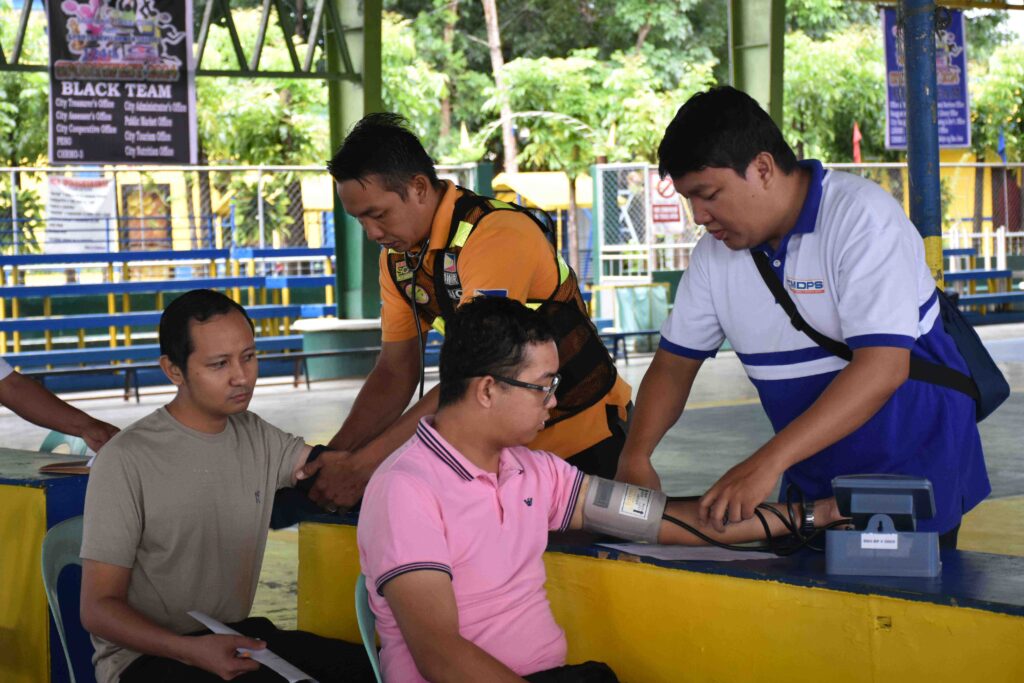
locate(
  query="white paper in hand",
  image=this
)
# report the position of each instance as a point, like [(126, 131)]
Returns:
[(265, 657)]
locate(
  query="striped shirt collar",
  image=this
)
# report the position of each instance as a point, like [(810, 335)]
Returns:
[(458, 463)]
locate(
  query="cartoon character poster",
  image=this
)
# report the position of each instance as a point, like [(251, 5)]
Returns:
[(953, 105), (122, 83)]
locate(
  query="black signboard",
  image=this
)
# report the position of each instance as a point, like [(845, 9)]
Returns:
[(121, 86)]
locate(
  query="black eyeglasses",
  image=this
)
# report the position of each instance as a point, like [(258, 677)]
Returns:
[(549, 391)]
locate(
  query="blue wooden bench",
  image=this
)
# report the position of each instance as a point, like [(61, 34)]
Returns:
[(992, 299), (113, 257), (87, 321), (244, 253), (132, 371), (132, 361), (130, 287), (137, 352), (978, 274), (995, 280), (962, 251), (297, 281)]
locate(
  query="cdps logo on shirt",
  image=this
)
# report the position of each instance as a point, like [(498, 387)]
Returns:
[(805, 286)]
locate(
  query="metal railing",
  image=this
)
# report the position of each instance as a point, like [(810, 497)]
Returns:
[(645, 227), (164, 207)]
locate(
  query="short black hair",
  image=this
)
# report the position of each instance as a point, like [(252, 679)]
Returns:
[(487, 336), (199, 305), (383, 145), (721, 128)]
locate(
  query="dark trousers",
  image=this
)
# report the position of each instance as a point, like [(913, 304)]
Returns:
[(602, 458), (587, 672), (325, 659)]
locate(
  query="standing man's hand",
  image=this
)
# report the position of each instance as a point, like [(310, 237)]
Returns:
[(96, 433), (342, 479), (638, 471), (218, 654), (740, 490)]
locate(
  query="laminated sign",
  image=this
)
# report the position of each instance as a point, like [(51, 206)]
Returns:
[(954, 107), (122, 83)]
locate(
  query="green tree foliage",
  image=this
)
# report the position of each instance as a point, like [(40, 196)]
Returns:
[(819, 19), (259, 121), (411, 85), (998, 103), (635, 112), (835, 75), (24, 96), (24, 112), (830, 84)]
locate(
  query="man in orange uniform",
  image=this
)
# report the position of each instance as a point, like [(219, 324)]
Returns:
[(443, 245)]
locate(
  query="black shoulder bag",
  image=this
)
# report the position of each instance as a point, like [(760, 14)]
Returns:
[(986, 384)]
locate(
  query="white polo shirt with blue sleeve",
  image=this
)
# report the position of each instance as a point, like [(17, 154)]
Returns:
[(5, 369), (854, 266)]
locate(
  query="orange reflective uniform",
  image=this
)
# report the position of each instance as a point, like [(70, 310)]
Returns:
[(506, 254)]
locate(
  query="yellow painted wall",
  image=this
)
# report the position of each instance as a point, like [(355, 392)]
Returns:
[(328, 568), (24, 622), (654, 624)]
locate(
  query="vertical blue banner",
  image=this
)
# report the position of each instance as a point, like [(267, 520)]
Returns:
[(954, 108)]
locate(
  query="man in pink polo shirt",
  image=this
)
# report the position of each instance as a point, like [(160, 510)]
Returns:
[(454, 524)]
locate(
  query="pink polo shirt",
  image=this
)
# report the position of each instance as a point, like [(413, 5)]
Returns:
[(427, 508)]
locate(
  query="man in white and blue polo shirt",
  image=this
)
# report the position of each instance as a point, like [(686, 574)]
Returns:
[(854, 266)]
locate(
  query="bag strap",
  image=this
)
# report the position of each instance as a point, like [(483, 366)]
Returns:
[(921, 370)]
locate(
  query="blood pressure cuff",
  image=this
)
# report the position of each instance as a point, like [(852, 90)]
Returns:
[(623, 510), (292, 504)]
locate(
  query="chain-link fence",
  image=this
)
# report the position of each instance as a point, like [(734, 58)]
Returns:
[(646, 227)]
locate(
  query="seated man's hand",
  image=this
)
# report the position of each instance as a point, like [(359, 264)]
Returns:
[(97, 433), (341, 482), (218, 654), (638, 471)]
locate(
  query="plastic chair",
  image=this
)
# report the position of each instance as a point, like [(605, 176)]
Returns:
[(367, 625), (61, 546), (76, 444)]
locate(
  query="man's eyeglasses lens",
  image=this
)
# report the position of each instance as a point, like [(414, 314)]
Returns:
[(549, 391)]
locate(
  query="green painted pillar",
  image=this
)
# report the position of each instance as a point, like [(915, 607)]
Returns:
[(349, 100), (598, 210), (483, 174), (757, 29)]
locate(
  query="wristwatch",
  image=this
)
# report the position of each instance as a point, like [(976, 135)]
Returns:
[(807, 526)]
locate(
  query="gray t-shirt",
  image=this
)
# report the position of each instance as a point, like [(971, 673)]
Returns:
[(188, 512)]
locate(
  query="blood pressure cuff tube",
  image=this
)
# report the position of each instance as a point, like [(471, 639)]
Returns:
[(623, 510), (305, 485)]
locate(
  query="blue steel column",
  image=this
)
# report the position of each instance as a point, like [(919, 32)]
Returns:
[(922, 127)]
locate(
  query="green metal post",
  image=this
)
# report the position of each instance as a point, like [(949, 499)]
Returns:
[(483, 174), (597, 219), (349, 101), (757, 30)]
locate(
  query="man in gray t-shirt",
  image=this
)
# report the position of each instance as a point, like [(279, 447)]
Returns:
[(176, 517)]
